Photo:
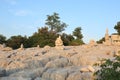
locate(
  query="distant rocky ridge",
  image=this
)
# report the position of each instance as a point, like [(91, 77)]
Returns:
[(51, 63)]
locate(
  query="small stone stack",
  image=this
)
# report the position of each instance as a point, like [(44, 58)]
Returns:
[(92, 43), (38, 46), (59, 43), (4, 48), (21, 47)]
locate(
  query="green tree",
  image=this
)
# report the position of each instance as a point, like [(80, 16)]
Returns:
[(43, 37), (77, 33), (117, 27), (2, 39), (54, 23), (67, 39), (16, 41), (101, 40), (109, 69)]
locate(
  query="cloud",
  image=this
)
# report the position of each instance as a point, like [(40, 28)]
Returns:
[(22, 13), (11, 2), (19, 12)]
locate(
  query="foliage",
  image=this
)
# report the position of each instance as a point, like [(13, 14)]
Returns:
[(2, 39), (77, 33), (117, 27), (46, 35), (54, 23), (101, 40), (16, 41), (76, 42), (43, 37), (67, 39), (109, 70)]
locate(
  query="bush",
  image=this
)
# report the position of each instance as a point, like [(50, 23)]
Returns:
[(109, 70)]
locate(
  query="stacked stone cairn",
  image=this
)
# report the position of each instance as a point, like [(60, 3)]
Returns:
[(59, 43)]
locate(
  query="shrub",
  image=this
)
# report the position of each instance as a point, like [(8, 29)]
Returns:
[(109, 70)]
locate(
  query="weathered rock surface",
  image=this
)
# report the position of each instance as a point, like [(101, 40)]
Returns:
[(2, 72), (49, 63)]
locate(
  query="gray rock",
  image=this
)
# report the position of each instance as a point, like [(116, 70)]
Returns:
[(59, 75), (87, 76), (14, 78), (34, 64), (47, 75), (62, 62), (38, 78), (29, 73), (74, 76), (55, 74), (2, 72)]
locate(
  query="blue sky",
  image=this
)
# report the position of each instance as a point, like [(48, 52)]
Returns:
[(24, 17)]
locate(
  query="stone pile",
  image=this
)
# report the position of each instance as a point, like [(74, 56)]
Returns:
[(59, 43), (4, 48)]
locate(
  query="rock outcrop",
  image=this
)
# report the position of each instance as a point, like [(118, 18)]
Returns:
[(48, 63)]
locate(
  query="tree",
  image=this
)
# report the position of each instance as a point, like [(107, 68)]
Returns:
[(43, 37), (101, 40), (117, 27), (77, 33), (16, 41), (109, 69), (2, 39), (54, 23), (67, 39)]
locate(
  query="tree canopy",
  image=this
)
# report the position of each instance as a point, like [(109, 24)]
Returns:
[(77, 33), (46, 35), (54, 23), (43, 37), (117, 27), (16, 41), (2, 39)]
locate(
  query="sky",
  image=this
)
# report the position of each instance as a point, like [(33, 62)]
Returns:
[(24, 17)]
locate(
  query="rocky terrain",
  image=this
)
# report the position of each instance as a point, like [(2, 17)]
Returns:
[(50, 63)]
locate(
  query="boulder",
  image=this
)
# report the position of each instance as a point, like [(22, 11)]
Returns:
[(47, 74), (87, 69), (60, 74), (15, 78), (55, 74), (57, 63), (74, 76), (2, 72), (29, 73)]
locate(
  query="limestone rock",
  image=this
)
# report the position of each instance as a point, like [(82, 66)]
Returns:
[(91, 69), (38, 46), (4, 48), (87, 69), (59, 43), (74, 76), (7, 49), (59, 75), (21, 47), (2, 72), (62, 62), (15, 78), (29, 73), (38, 78), (92, 43), (55, 74)]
